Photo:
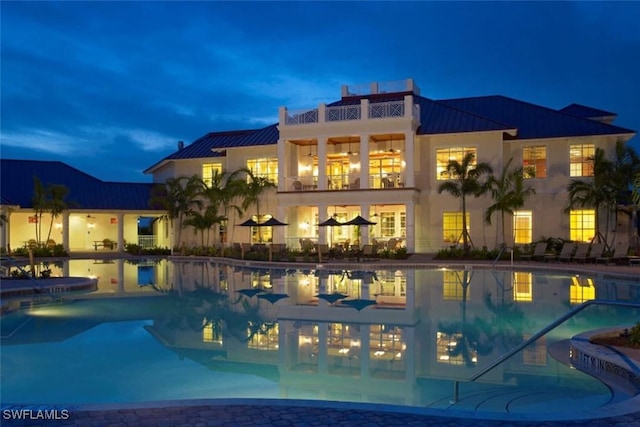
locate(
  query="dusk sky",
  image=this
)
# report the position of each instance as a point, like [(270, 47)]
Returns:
[(111, 87)]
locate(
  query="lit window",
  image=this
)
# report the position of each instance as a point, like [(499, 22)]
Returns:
[(266, 168), (452, 227), (444, 155), (262, 336), (448, 349), (582, 225), (451, 285), (522, 286), (581, 290), (580, 159), (534, 161), (522, 227), (209, 170), (387, 224), (212, 331)]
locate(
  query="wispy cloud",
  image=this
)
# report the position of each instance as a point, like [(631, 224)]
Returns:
[(47, 141)]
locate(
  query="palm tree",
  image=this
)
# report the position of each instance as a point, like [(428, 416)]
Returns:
[(509, 194), (56, 203), (219, 195), (598, 192), (178, 196), (465, 182), (39, 202), (252, 190), (625, 169)]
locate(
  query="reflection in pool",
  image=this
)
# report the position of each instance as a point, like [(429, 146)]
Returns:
[(159, 330)]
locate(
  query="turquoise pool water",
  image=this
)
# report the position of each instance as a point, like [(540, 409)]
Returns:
[(181, 330)]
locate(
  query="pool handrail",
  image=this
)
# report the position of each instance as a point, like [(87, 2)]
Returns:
[(537, 335)]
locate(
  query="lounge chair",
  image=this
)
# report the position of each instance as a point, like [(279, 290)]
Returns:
[(567, 252), (276, 250), (620, 251), (582, 250), (538, 252), (597, 250), (369, 252)]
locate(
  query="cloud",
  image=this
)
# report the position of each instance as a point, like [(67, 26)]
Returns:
[(47, 141)]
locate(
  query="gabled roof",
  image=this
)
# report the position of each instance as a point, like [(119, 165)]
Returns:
[(532, 121), (585, 112), (85, 191)]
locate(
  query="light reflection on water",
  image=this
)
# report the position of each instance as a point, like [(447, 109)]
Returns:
[(158, 330)]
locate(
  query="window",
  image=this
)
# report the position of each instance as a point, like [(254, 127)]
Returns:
[(452, 226), (582, 289), (451, 285), (522, 286), (447, 349), (534, 161), (522, 228), (387, 224), (266, 168), (582, 225), (444, 155), (580, 159), (212, 331), (208, 172), (535, 354)]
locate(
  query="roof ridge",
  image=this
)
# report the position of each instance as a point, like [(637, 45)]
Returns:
[(60, 162)]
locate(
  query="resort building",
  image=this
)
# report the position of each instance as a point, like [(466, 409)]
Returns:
[(380, 151)]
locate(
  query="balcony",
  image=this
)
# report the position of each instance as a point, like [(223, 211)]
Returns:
[(343, 113), (345, 182)]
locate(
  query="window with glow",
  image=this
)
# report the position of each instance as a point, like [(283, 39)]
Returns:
[(265, 167), (452, 285), (522, 227), (387, 224), (581, 290), (582, 225), (522, 286), (212, 331), (452, 226), (580, 159), (534, 161), (448, 350), (262, 336), (338, 173), (386, 170), (386, 343), (261, 234), (391, 283), (208, 172), (444, 155)]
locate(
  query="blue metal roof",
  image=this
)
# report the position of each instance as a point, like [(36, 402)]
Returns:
[(532, 121), (585, 112), (85, 191)]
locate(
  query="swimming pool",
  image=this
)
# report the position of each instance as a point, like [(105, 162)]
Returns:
[(166, 330)]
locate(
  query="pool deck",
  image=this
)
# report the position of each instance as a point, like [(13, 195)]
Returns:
[(290, 413)]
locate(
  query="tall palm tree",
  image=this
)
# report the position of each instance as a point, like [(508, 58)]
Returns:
[(625, 169), (252, 191), (178, 196), (465, 182), (56, 203), (509, 194), (39, 203), (597, 192)]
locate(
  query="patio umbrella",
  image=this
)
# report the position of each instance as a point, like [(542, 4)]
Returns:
[(359, 221), (271, 222), (358, 303), (248, 223), (272, 297), (250, 292), (331, 222), (332, 298)]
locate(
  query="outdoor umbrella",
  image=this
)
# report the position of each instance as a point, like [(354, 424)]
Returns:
[(358, 303), (248, 223), (250, 292), (271, 222), (332, 298), (331, 222), (272, 297), (359, 221)]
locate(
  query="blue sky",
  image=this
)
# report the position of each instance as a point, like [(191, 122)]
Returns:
[(110, 87)]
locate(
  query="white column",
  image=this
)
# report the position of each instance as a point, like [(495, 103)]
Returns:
[(322, 216), (364, 230), (322, 112), (4, 230), (66, 232), (365, 350), (410, 235), (364, 160), (120, 219), (322, 163), (278, 232), (364, 109), (409, 159), (282, 175)]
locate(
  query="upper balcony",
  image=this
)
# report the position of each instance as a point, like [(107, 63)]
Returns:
[(360, 104)]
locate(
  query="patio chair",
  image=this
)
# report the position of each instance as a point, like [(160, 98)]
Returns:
[(538, 252), (297, 185), (582, 250), (620, 251), (369, 252), (597, 250), (566, 253), (245, 248)]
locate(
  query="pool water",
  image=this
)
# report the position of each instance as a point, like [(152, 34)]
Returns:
[(181, 330)]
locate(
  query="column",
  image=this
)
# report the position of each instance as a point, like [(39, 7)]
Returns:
[(323, 349), (4, 230), (66, 232), (409, 159), (322, 163), (322, 216), (410, 233), (282, 164), (365, 350), (120, 219), (365, 209), (364, 160)]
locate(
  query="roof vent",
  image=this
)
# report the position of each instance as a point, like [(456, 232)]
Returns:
[(180, 145)]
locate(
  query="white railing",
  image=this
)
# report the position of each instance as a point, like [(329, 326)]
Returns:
[(302, 117), (381, 110), (343, 113), (146, 241), (393, 86)]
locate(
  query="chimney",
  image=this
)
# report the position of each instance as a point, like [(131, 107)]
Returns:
[(180, 145)]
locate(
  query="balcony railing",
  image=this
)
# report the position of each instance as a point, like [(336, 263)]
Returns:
[(342, 113), (344, 182)]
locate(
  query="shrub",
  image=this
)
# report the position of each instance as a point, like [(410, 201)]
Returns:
[(634, 334)]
